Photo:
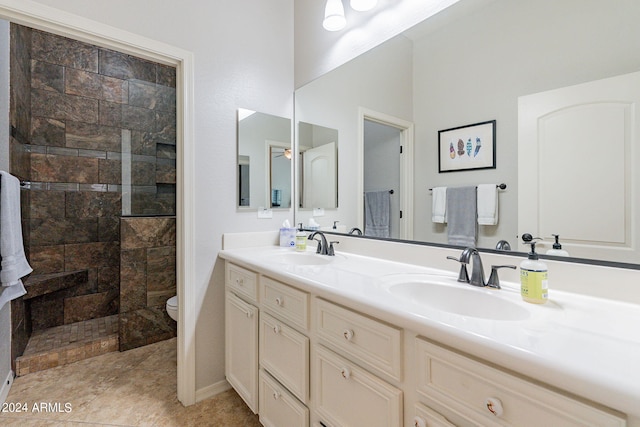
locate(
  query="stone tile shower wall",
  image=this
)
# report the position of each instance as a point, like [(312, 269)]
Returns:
[(79, 111), (147, 280), (19, 161)]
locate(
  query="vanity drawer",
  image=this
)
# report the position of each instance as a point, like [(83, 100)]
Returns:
[(368, 341), (427, 417), (277, 407), (468, 387), (349, 396), (284, 353), (242, 281), (286, 302)]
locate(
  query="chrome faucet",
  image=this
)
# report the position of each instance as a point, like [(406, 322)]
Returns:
[(355, 230), (477, 271), (323, 247)]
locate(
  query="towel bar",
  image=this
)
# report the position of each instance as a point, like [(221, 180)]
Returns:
[(500, 186)]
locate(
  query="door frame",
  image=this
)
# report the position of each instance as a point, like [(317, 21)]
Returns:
[(406, 129), (56, 21)]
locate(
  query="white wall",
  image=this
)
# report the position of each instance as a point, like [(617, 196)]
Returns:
[(318, 51), (243, 58)]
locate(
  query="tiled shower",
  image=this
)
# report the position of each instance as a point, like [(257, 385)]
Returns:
[(93, 138)]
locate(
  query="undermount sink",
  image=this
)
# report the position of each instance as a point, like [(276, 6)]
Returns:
[(302, 258), (463, 301)]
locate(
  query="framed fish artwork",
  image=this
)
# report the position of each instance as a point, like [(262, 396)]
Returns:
[(468, 147)]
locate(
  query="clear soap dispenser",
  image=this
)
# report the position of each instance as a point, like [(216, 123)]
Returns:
[(534, 283)]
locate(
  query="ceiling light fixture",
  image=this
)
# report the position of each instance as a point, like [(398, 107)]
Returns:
[(363, 5), (334, 19)]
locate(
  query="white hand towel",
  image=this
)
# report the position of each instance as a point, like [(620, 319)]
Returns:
[(487, 204), (439, 204), (14, 263)]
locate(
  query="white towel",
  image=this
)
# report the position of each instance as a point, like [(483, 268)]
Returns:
[(488, 204), (439, 204), (14, 264)]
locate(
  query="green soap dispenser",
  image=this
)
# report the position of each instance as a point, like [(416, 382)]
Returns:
[(301, 239), (534, 283)]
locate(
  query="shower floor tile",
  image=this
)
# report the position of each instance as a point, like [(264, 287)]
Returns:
[(60, 345)]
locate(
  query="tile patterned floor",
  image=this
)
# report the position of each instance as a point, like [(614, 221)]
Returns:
[(70, 343), (132, 388)]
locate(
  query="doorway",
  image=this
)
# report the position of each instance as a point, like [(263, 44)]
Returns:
[(386, 147), (111, 38)]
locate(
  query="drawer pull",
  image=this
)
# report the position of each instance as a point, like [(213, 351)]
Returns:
[(277, 329), (276, 395), (419, 422), (348, 334), (494, 405), (346, 373), (240, 282), (279, 301)]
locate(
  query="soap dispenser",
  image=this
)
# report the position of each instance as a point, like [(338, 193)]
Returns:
[(557, 248), (534, 284), (301, 239)]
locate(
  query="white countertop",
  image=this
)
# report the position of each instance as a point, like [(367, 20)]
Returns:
[(584, 345)]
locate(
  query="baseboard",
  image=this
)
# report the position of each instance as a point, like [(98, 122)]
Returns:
[(211, 390), (6, 386)]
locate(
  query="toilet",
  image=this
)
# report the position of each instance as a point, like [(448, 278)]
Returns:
[(172, 307)]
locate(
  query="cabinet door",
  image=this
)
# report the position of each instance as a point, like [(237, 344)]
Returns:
[(241, 349), (347, 395)]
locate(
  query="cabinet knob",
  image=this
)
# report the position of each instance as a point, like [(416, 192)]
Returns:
[(277, 329), (249, 314), (348, 334), (346, 373), (279, 301), (494, 405), (239, 282), (276, 395), (419, 422)]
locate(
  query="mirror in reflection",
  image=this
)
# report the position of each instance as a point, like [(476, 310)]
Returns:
[(318, 166), (264, 160), (471, 64)]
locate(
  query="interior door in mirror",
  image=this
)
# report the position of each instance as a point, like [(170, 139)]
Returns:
[(318, 151)]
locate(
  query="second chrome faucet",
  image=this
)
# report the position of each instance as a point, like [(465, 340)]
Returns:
[(324, 248)]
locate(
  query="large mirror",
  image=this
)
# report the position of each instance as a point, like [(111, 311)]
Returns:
[(264, 169), (469, 64)]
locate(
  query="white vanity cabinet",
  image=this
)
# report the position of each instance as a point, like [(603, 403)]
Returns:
[(298, 358)]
